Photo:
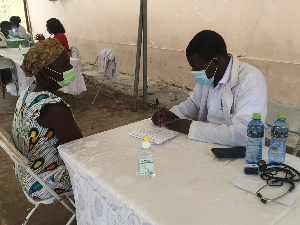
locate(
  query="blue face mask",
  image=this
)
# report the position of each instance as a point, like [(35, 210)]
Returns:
[(201, 78)]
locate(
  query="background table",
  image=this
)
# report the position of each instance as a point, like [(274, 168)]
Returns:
[(191, 186), (15, 42), (75, 88)]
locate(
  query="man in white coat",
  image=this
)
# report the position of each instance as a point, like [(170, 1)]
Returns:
[(224, 99)]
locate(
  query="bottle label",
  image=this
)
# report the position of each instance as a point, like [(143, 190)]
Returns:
[(255, 134), (146, 166), (279, 134)]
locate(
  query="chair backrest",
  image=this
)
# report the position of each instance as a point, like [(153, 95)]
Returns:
[(110, 56), (75, 52), (22, 161), (6, 63), (14, 154)]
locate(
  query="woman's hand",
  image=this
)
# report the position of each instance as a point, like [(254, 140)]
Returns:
[(39, 37), (164, 116)]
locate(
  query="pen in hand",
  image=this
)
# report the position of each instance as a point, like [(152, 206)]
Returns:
[(157, 105)]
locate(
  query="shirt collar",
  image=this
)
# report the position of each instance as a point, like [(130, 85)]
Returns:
[(227, 73)]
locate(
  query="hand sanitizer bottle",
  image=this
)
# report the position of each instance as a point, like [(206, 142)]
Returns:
[(145, 161)]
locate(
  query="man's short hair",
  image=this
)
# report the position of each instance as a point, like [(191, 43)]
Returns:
[(208, 44), (4, 24)]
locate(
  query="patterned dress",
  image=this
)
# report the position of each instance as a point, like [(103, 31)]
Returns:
[(39, 145)]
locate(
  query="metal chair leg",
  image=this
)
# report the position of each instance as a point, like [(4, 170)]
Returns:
[(30, 214), (3, 91), (71, 220), (297, 148), (73, 101)]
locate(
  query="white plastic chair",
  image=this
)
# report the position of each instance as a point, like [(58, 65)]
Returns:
[(91, 74), (75, 52), (22, 161), (6, 63)]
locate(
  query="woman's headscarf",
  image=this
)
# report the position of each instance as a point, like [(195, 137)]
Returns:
[(41, 55)]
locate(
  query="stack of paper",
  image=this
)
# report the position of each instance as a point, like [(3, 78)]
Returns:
[(156, 134)]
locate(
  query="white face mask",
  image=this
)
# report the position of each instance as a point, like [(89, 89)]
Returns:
[(201, 77)]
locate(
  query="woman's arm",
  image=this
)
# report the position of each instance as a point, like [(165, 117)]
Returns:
[(60, 118)]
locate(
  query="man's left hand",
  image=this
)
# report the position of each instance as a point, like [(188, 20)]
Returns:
[(182, 126)]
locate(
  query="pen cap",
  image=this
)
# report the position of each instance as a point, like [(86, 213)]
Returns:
[(146, 143)]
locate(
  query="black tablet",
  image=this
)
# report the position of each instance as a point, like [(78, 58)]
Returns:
[(234, 152)]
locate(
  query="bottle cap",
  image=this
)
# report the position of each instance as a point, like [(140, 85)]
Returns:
[(146, 143), (281, 116), (256, 116)]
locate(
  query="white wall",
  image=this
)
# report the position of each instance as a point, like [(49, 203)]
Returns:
[(263, 32), (9, 8)]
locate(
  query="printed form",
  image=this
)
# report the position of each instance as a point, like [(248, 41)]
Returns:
[(157, 135)]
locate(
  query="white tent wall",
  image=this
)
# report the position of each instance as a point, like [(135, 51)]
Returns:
[(263, 32), (9, 8)]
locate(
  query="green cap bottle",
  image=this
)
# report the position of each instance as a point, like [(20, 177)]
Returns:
[(256, 116), (281, 116)]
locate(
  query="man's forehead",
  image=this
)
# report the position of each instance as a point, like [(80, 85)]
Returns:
[(196, 58)]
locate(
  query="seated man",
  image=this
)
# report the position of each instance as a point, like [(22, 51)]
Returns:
[(4, 30), (224, 99), (42, 120)]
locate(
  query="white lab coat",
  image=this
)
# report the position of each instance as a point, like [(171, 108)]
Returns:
[(244, 94), (3, 41), (19, 32)]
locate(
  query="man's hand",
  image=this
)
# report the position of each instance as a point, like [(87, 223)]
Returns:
[(165, 116), (39, 37), (182, 126)]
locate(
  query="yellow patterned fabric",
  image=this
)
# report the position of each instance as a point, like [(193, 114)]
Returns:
[(39, 145), (40, 55)]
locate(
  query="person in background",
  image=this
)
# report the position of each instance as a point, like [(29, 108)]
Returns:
[(18, 31), (226, 95), (4, 31), (42, 120), (55, 27)]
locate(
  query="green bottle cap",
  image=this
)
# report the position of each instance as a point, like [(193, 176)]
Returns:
[(256, 116), (281, 116)]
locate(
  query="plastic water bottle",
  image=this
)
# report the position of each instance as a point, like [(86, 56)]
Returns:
[(279, 134), (145, 161), (255, 133), (21, 48)]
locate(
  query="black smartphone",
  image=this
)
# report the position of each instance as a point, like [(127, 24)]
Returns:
[(234, 152)]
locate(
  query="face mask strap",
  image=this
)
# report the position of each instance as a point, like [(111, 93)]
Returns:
[(210, 63), (215, 71), (53, 70)]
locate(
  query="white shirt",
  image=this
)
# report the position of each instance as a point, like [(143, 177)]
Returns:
[(244, 94), (215, 113), (3, 41), (19, 32)]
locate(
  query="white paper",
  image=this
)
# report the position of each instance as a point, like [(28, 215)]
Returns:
[(156, 134)]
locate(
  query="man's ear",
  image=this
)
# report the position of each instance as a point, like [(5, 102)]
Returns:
[(216, 60)]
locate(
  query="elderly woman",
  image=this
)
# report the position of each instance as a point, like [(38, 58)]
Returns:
[(42, 120)]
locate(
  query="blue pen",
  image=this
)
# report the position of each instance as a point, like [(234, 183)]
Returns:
[(157, 105)]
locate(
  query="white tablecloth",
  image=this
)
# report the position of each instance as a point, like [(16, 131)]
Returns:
[(191, 186), (75, 88)]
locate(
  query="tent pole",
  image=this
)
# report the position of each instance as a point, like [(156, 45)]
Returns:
[(145, 54), (138, 58)]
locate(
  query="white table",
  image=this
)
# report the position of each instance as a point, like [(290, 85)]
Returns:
[(75, 88), (191, 186)]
